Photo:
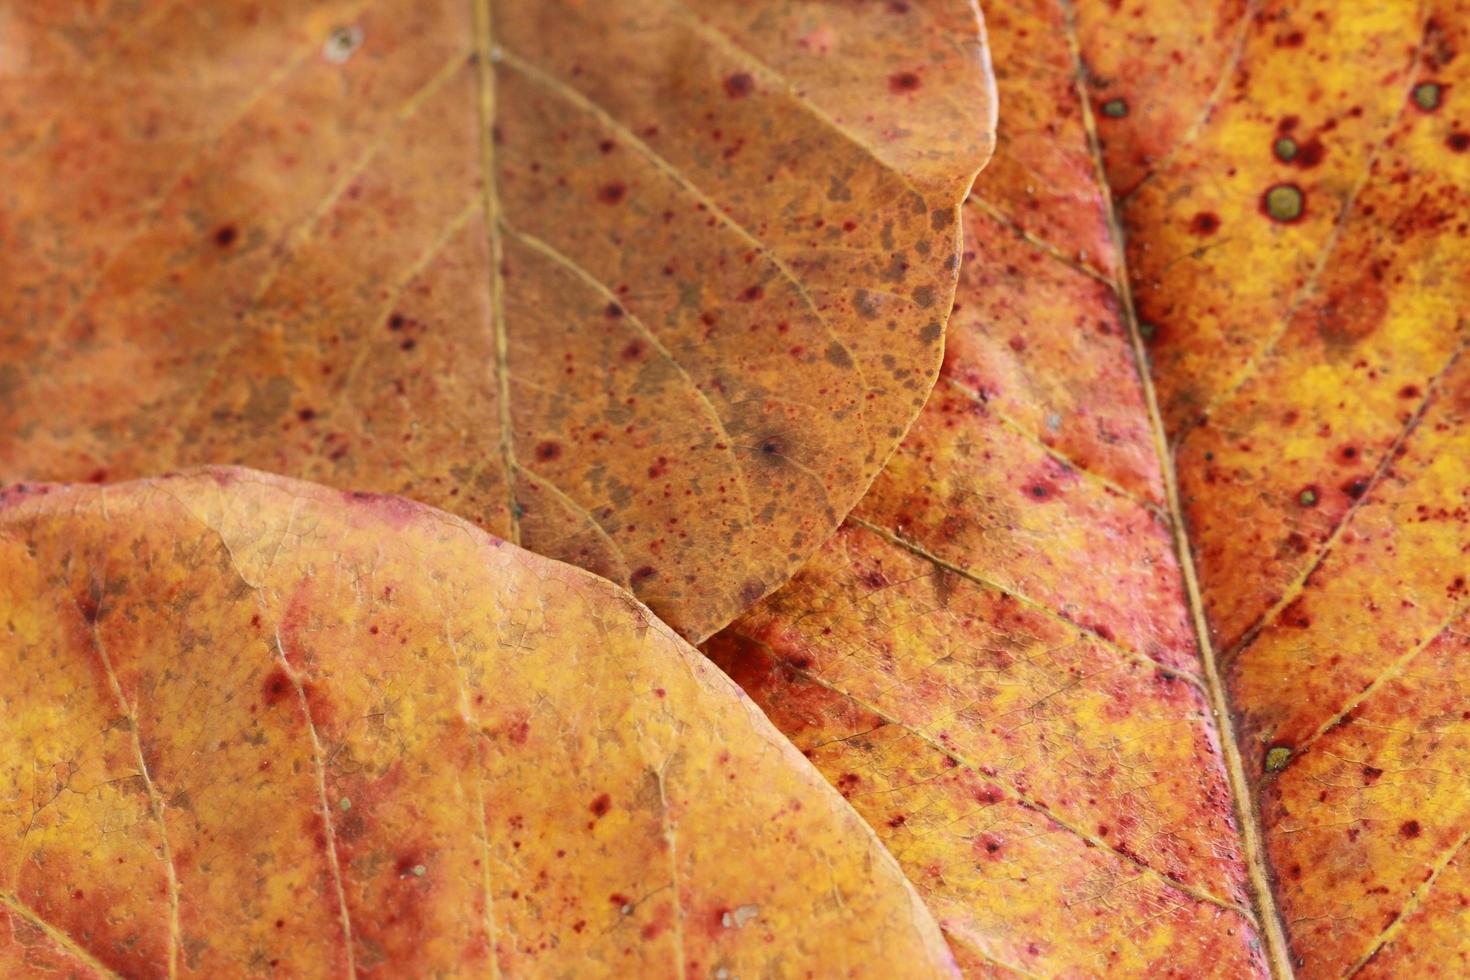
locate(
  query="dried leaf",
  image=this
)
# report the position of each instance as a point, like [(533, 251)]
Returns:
[(652, 287), (1000, 659), (252, 724)]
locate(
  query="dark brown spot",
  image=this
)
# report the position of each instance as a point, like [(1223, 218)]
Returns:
[(1409, 829), (276, 686), (739, 85), (904, 81), (612, 193), (1205, 223), (225, 235), (601, 805), (547, 451), (1459, 142)]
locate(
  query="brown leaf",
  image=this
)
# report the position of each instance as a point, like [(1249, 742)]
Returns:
[(652, 287), (256, 725), (1002, 660)]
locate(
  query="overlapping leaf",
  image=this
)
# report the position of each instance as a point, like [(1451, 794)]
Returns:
[(652, 287), (995, 659), (252, 725)]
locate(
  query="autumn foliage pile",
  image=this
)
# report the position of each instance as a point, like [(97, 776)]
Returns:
[(558, 488)]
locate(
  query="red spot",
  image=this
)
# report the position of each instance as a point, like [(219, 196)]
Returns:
[(225, 236), (1204, 223), (1292, 40), (1409, 391), (612, 193), (633, 351), (1295, 615), (1309, 154), (1409, 829), (739, 85), (1459, 142), (752, 293), (904, 81), (547, 451), (607, 146), (897, 820), (601, 805), (277, 687), (397, 321), (306, 414), (98, 476), (642, 574), (659, 468)]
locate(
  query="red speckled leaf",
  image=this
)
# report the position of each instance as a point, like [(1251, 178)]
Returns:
[(1304, 263), (652, 286), (253, 726), (1001, 659)]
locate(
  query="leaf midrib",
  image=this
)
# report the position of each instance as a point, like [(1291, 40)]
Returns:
[(1268, 916)]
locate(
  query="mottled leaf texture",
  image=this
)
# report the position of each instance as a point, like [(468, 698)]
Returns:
[(650, 286), (257, 726), (1093, 757)]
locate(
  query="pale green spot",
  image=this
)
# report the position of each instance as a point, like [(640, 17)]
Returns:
[(1426, 96), (1277, 758), (1284, 202), (1285, 148)]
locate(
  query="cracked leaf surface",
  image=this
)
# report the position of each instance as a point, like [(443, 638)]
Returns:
[(260, 725), (653, 288)]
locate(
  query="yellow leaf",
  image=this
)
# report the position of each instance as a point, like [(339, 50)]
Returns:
[(253, 725), (1093, 757)]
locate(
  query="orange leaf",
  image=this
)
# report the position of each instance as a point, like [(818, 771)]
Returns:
[(652, 287), (1002, 660), (253, 724)]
